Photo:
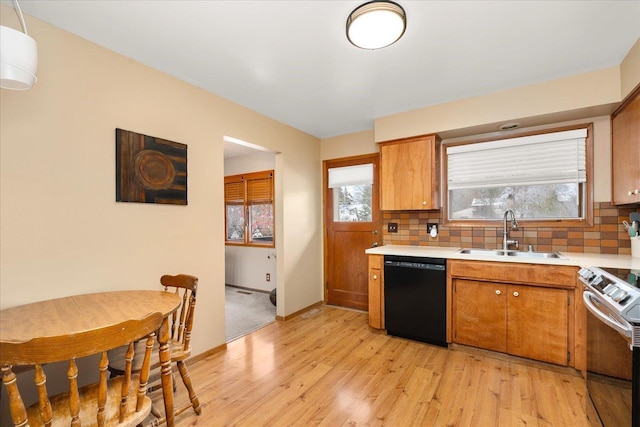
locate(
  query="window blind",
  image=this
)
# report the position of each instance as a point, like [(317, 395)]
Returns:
[(234, 192), (551, 158), (351, 175), (260, 189)]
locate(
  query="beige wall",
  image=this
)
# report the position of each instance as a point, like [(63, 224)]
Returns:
[(579, 92), (353, 144), (591, 94), (62, 231), (630, 70)]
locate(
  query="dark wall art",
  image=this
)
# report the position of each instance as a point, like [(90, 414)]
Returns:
[(149, 169)]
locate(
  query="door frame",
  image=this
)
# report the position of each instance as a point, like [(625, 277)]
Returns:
[(327, 205)]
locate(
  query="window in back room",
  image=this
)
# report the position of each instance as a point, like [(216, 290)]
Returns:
[(249, 209)]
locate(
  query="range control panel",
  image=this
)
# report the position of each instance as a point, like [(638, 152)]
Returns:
[(616, 293)]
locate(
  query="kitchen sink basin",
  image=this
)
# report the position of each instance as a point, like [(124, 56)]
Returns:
[(519, 254)]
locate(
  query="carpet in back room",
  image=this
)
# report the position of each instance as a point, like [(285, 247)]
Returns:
[(246, 310)]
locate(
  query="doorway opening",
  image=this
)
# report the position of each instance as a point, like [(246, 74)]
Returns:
[(250, 262)]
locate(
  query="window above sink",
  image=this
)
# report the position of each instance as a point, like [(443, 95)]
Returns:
[(545, 178)]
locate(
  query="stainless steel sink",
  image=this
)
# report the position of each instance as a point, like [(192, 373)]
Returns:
[(501, 253), (534, 254)]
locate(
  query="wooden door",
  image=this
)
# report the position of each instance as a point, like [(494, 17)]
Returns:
[(480, 314), (537, 323), (350, 230)]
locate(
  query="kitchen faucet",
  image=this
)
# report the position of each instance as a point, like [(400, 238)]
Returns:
[(505, 231)]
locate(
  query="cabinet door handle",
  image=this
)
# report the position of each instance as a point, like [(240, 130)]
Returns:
[(375, 277), (424, 203), (498, 291), (515, 294)]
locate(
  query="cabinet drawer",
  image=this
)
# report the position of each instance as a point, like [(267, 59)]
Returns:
[(540, 274), (375, 261)]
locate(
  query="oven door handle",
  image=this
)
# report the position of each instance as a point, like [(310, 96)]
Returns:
[(590, 302)]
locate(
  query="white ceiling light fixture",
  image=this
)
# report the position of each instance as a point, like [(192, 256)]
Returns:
[(376, 24), (18, 56)]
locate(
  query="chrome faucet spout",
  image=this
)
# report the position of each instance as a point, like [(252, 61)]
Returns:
[(505, 231)]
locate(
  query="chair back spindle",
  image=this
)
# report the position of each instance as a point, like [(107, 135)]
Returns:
[(182, 320)]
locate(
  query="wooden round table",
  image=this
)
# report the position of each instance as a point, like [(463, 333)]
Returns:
[(79, 313)]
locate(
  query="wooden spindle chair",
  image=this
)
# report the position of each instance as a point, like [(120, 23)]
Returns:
[(120, 401), (181, 324)]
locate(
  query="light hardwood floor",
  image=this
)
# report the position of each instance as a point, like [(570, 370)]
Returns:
[(327, 368)]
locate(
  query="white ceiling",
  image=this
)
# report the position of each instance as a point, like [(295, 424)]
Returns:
[(290, 60)]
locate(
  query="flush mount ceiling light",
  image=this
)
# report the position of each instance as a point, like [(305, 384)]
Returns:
[(376, 24), (18, 56)]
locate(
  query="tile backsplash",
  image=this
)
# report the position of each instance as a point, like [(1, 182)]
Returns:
[(607, 236)]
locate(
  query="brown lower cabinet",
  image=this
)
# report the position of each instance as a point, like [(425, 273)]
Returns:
[(527, 321), (376, 291), (500, 308)]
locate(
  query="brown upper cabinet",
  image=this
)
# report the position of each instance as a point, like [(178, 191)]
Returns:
[(410, 173), (625, 152)]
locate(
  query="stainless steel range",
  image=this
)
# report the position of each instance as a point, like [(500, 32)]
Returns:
[(612, 297)]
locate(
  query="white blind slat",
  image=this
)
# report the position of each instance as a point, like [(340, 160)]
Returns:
[(551, 158), (351, 175)]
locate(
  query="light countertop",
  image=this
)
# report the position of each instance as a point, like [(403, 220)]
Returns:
[(568, 258)]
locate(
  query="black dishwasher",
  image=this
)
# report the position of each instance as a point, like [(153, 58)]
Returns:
[(415, 298)]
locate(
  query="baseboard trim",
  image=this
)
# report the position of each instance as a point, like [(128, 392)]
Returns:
[(248, 289), (210, 352), (299, 312)]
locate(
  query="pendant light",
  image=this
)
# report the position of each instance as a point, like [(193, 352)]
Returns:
[(376, 24), (18, 56)]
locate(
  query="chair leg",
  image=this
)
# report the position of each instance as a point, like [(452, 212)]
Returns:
[(186, 379), (158, 385), (157, 418)]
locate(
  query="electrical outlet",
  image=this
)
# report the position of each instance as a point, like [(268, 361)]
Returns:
[(392, 227), (268, 277)]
